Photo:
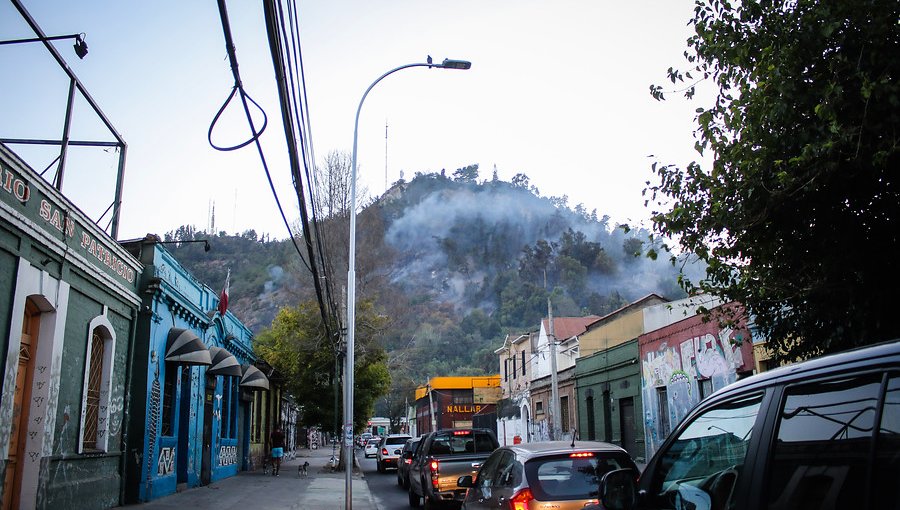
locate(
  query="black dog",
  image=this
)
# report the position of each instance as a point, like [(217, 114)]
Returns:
[(303, 470)]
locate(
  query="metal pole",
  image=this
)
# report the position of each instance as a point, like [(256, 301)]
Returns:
[(554, 378), (351, 273), (64, 146)]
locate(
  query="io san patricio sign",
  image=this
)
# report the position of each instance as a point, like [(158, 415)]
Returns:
[(25, 195)]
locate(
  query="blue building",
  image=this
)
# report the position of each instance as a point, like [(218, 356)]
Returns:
[(192, 384)]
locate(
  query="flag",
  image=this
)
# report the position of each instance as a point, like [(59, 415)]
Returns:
[(223, 297)]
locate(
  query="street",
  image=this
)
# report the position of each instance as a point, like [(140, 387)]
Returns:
[(383, 486)]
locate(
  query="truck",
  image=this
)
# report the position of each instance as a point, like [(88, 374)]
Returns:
[(441, 459)]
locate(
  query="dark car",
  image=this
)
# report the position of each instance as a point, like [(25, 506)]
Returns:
[(562, 475), (406, 455), (820, 434)]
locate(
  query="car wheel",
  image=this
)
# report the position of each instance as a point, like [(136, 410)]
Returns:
[(413, 499), (380, 466)]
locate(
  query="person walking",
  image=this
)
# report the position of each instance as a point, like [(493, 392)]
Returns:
[(276, 439)]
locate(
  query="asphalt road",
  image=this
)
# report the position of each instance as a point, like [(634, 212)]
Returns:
[(383, 486)]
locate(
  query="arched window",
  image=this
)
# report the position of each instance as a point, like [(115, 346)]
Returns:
[(97, 385)]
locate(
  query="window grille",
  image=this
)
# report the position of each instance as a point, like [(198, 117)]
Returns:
[(92, 404)]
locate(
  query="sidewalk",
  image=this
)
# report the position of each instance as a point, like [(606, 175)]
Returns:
[(322, 489)]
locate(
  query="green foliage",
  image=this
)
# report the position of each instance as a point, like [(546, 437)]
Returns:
[(467, 174), (797, 215), (297, 347)]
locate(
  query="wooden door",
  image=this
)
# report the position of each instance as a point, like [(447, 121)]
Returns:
[(24, 375)]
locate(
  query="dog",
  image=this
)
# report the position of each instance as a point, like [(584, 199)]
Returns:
[(303, 470)]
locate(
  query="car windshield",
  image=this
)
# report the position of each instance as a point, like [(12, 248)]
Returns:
[(372, 442), (572, 476), (396, 440)]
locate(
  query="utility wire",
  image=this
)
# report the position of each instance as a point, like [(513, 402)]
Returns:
[(276, 49), (239, 87), (293, 58)]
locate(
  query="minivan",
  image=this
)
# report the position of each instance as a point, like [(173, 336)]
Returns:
[(824, 433)]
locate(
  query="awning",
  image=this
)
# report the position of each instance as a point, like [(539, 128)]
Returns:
[(223, 363), (254, 379), (183, 346)]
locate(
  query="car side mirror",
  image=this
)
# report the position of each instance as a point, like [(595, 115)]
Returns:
[(618, 490), (465, 481)]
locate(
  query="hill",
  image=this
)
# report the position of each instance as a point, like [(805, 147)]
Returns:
[(455, 263)]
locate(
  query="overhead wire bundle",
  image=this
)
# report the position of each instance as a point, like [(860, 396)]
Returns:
[(287, 62)]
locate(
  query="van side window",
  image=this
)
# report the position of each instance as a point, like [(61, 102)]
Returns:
[(823, 444), (887, 450), (700, 468)]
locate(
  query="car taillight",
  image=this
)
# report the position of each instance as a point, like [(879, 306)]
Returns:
[(434, 466), (581, 455), (384, 451), (520, 500), (407, 461)]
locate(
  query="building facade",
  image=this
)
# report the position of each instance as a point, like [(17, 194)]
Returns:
[(69, 292), (608, 395), (682, 363), (192, 385), (514, 408), (457, 402)]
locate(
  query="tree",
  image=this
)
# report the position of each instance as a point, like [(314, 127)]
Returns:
[(797, 216), (297, 347), (467, 174)]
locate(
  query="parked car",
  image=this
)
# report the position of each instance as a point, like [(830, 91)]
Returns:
[(442, 458), (371, 448), (824, 433), (389, 451), (561, 475), (406, 456)]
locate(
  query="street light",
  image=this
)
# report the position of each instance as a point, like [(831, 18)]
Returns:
[(351, 279)]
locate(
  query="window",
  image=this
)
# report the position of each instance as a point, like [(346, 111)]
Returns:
[(512, 361), (92, 402), (568, 477), (170, 385), (538, 407), (824, 442), (225, 426), (523, 363), (662, 397), (564, 425), (97, 385), (506, 369), (708, 455), (705, 387)]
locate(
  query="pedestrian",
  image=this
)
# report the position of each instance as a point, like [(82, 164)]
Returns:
[(276, 439)]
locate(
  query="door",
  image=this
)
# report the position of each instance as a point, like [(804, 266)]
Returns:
[(183, 450), (206, 462), (626, 425), (24, 376)]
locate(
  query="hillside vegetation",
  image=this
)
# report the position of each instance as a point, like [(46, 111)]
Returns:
[(453, 264)]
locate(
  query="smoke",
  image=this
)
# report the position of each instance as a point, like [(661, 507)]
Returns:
[(457, 235)]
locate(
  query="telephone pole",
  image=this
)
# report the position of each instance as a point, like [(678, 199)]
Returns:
[(554, 377)]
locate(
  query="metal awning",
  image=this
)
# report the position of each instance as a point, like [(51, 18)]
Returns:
[(223, 363), (254, 379), (186, 348)]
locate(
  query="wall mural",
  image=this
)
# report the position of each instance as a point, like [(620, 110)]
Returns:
[(677, 365)]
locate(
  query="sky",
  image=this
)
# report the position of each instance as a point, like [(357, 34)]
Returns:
[(558, 91)]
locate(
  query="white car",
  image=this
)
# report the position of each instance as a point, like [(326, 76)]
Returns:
[(371, 448), (388, 452)]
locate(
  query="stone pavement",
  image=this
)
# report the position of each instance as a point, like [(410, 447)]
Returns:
[(252, 490)]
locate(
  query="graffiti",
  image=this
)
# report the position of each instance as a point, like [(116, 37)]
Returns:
[(42, 369), (166, 463), (34, 456), (227, 455), (116, 407)]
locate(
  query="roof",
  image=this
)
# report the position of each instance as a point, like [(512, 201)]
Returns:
[(639, 304), (567, 327)]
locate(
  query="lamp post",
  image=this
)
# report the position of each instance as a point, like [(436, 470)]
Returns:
[(351, 280)]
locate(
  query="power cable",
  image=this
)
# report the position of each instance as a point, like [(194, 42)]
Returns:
[(238, 86)]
